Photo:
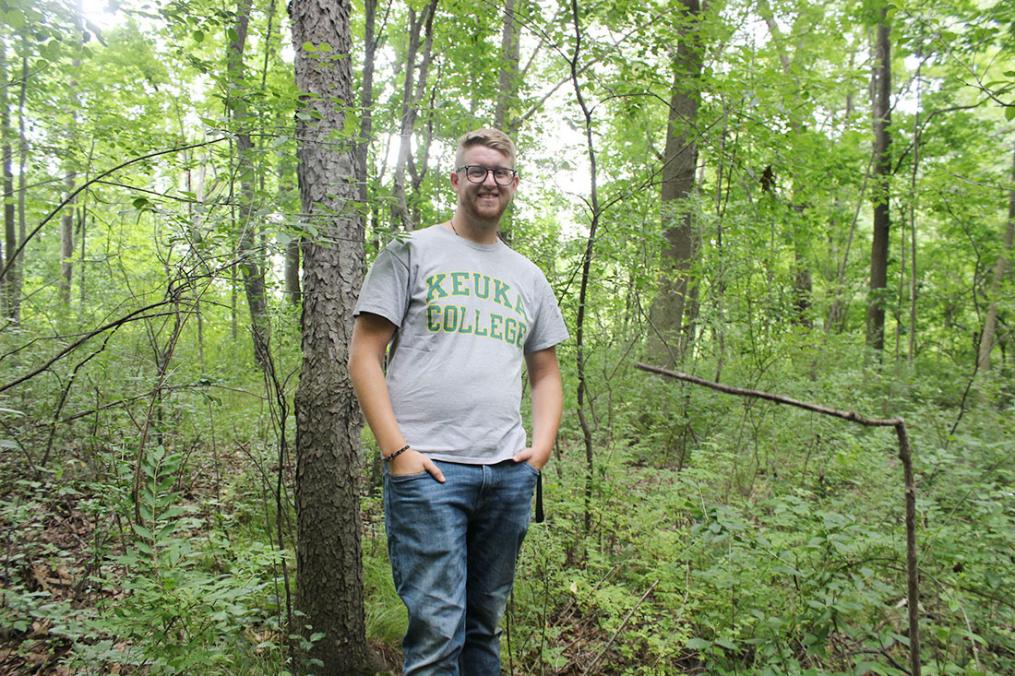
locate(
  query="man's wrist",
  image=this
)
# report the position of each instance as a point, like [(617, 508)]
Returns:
[(542, 451), (391, 456)]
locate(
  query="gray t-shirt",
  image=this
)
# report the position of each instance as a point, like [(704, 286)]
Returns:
[(466, 313)]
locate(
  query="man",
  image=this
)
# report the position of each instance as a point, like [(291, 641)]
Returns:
[(463, 309)]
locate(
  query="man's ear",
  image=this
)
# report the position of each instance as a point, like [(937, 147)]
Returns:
[(454, 179)]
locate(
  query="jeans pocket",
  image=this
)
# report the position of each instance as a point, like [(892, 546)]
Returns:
[(531, 468), (401, 478)]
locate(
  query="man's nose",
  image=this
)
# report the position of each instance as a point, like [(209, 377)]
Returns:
[(489, 180)]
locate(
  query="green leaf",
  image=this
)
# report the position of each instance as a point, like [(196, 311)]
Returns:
[(15, 19), (198, 36), (1009, 112), (698, 644)]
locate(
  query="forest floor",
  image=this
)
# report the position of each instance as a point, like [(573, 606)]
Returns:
[(52, 551)]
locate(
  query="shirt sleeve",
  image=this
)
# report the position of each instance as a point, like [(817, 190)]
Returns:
[(548, 328), (386, 289)]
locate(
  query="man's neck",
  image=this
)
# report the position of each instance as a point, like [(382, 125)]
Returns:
[(481, 233)]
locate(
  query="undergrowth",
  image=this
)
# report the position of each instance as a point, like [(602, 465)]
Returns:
[(726, 536)]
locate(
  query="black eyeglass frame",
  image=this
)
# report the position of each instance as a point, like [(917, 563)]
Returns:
[(486, 170)]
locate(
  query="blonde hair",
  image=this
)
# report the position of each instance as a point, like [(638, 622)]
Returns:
[(489, 137)]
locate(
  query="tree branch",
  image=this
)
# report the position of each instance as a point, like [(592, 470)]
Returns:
[(905, 455), (70, 198)]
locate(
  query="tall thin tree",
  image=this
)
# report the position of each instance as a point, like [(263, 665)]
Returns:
[(1000, 272), (882, 76), (18, 263), (250, 255), (679, 161), (10, 231), (507, 80), (802, 278), (413, 89), (371, 41), (70, 177)]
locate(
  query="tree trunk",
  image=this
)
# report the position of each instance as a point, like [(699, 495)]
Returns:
[(286, 182), (196, 212), (292, 266), (583, 388), (914, 280), (83, 232), (507, 90), (67, 221), (248, 250), (418, 167), (802, 278), (328, 422), (17, 271), (366, 120), (67, 243), (668, 311), (881, 192), (413, 89), (1000, 271), (10, 231)]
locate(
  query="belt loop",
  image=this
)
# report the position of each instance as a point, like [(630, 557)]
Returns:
[(540, 518)]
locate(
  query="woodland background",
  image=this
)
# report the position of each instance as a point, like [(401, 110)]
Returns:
[(809, 198)]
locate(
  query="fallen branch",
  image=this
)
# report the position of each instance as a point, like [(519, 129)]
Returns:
[(905, 455), (588, 670)]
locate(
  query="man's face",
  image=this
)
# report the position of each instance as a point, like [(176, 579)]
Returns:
[(485, 202)]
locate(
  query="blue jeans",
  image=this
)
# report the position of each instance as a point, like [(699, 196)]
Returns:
[(453, 548)]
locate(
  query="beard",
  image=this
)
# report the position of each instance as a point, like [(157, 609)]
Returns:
[(484, 207)]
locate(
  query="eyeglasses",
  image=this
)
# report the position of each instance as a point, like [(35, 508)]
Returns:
[(502, 176)]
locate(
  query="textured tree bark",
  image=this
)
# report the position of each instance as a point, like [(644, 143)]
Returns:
[(248, 250), (328, 422), (1000, 271), (881, 192), (680, 158)]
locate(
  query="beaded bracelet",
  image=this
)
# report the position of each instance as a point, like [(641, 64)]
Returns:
[(403, 449)]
